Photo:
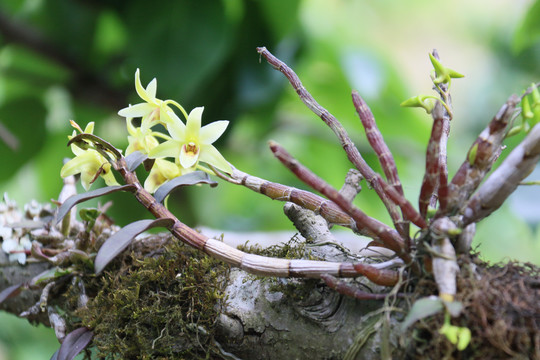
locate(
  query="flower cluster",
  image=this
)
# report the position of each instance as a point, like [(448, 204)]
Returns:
[(89, 163), (189, 143), (15, 242)]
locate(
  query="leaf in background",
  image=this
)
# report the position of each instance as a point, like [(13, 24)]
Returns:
[(75, 199), (74, 343), (528, 32), (121, 239), (191, 59), (135, 159), (24, 119), (422, 308), (194, 178), (10, 291)]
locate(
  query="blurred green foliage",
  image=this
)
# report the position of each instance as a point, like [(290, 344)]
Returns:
[(62, 60)]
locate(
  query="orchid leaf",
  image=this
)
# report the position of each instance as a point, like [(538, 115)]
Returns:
[(10, 292), (121, 240), (421, 309), (74, 343), (193, 178), (75, 199), (135, 159)]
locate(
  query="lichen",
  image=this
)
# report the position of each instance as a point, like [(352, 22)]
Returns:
[(163, 305)]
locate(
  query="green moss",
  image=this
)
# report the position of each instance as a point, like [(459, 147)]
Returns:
[(159, 306), (295, 248)]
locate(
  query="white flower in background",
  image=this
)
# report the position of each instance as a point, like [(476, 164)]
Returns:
[(16, 249)]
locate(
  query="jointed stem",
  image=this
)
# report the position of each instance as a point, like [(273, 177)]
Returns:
[(255, 264), (388, 236), (433, 165), (350, 149), (481, 157), (384, 154)]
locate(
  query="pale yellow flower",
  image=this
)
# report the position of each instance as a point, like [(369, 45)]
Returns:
[(192, 143), (87, 162), (140, 138), (152, 110), (163, 171)]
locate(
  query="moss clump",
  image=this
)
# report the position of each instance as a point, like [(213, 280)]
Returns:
[(162, 305), (295, 248)]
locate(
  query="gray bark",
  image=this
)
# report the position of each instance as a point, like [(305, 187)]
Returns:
[(258, 321)]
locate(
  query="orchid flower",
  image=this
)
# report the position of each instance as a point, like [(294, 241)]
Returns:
[(191, 143), (141, 138), (152, 110), (163, 171), (89, 163)]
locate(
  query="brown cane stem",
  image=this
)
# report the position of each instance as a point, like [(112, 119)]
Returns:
[(350, 149), (388, 236)]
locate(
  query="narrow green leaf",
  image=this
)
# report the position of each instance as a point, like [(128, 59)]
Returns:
[(74, 343), (121, 240), (422, 308), (75, 199), (194, 178)]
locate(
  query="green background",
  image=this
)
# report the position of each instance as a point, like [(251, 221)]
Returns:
[(62, 60)]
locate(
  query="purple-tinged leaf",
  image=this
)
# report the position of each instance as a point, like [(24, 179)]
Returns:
[(422, 308), (10, 292), (55, 355), (135, 159), (75, 199), (121, 240), (74, 343), (193, 178)]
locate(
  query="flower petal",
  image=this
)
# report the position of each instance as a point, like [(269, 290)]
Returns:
[(109, 178), (76, 165), (169, 148), (137, 110), (188, 159), (176, 127), (211, 156), (151, 90), (86, 177), (211, 132), (161, 172), (193, 124), (89, 129), (141, 91)]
